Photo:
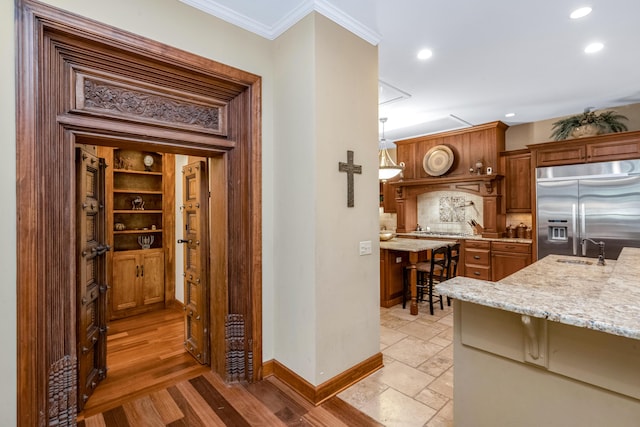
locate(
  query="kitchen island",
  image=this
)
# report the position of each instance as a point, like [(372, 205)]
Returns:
[(556, 344), (409, 252)]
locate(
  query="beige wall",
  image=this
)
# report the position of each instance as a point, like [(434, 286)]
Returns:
[(347, 284), (327, 297), (518, 136)]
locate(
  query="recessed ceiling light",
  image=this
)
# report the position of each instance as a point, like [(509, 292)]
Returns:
[(510, 114), (580, 13), (593, 48), (425, 54)]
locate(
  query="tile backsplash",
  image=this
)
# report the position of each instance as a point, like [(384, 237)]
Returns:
[(449, 211)]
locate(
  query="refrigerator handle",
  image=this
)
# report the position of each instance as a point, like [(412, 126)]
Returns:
[(574, 225), (583, 229)]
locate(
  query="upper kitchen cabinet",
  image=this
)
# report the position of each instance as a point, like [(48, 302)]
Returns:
[(388, 197), (517, 181), (601, 148), (479, 143)]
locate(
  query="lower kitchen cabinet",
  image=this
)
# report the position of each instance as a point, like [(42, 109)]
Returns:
[(138, 282), (507, 258), (477, 259), (392, 264)]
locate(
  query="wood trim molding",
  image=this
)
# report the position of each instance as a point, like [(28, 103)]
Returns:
[(50, 43), (268, 368), (318, 394)]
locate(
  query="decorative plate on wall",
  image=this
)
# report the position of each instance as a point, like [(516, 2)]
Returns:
[(438, 160)]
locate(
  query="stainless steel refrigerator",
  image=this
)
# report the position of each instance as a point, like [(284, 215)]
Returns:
[(598, 201)]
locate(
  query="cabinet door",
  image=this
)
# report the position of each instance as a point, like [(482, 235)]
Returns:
[(126, 271), (518, 182), (613, 150), (388, 195), (561, 155), (504, 263), (152, 277)]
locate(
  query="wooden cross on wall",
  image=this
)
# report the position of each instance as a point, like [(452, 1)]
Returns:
[(350, 169)]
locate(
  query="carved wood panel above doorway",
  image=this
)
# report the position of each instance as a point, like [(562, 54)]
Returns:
[(54, 49)]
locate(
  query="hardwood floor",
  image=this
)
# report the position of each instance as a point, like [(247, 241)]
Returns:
[(152, 381), (144, 353)]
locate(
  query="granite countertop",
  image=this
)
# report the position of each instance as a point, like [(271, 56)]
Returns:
[(603, 298), (458, 236), (413, 245)]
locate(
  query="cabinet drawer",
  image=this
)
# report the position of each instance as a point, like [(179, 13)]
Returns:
[(476, 272), (477, 244), (523, 248), (477, 257)]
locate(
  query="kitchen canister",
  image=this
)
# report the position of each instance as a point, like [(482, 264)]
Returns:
[(521, 230)]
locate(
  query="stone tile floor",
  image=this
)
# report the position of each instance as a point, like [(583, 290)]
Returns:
[(415, 386)]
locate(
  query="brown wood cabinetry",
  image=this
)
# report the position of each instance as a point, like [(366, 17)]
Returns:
[(477, 259), (601, 148), (392, 264), (387, 197), (139, 229), (507, 258), (479, 143), (517, 181), (138, 281)]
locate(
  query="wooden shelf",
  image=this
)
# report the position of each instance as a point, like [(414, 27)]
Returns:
[(157, 230), (137, 172), (143, 211), (130, 191), (446, 180)]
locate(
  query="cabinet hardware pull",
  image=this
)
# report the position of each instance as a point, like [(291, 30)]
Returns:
[(137, 271), (476, 273), (142, 271), (184, 241), (476, 257), (510, 247)]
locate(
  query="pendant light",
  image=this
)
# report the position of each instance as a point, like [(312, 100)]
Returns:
[(387, 167)]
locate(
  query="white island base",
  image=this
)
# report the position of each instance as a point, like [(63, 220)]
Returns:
[(555, 344), (592, 378)]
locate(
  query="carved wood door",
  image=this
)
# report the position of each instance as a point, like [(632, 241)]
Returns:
[(91, 286), (196, 259)]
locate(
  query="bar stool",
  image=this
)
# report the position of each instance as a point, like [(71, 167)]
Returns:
[(428, 273), (452, 267)]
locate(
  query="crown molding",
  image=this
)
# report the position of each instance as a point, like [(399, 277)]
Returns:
[(323, 7), (346, 21)]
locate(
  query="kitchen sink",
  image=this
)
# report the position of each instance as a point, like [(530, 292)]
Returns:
[(574, 261)]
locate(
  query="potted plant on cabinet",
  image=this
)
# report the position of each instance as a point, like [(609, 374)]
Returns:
[(589, 123)]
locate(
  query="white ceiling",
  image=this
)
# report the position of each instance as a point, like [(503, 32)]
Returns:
[(490, 57)]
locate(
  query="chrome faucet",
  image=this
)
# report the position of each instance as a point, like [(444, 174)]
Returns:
[(600, 245)]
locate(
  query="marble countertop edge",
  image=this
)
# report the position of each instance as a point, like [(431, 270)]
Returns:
[(603, 299)]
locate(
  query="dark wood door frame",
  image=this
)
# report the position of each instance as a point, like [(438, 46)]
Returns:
[(80, 81)]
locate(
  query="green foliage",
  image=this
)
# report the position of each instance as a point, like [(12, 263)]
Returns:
[(606, 122)]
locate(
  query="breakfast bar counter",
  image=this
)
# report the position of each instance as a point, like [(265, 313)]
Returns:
[(556, 343)]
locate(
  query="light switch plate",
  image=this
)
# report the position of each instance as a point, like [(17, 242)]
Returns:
[(365, 247)]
